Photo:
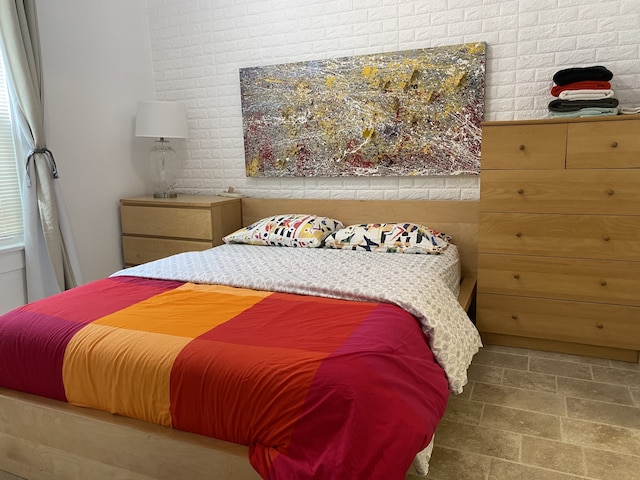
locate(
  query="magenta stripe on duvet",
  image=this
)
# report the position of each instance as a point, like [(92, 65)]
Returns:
[(33, 338)]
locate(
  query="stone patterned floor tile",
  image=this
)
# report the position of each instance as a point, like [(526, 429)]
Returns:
[(599, 436), (530, 381), (463, 411), (602, 412), (560, 368), (605, 392), (521, 421), (542, 402), (449, 464), (501, 470), (554, 455), (475, 439), (612, 466), (565, 357), (505, 360), (485, 374), (625, 365), (506, 349), (630, 378)]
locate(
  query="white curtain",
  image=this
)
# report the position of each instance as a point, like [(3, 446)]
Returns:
[(51, 258)]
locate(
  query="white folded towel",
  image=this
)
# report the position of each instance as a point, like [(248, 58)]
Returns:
[(587, 94), (630, 109)]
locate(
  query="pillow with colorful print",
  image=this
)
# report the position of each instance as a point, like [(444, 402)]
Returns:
[(290, 230), (389, 237)]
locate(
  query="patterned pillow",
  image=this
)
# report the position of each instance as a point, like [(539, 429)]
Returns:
[(294, 230), (389, 237)]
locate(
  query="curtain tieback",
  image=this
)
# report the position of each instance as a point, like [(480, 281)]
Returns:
[(49, 156)]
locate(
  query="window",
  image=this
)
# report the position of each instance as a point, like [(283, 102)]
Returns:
[(10, 204)]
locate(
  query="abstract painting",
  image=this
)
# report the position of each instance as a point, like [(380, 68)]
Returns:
[(414, 112)]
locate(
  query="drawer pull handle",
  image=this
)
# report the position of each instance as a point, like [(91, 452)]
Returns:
[(606, 238), (603, 283), (514, 317), (520, 191), (521, 147), (614, 144), (518, 234), (600, 326), (516, 276), (610, 192)]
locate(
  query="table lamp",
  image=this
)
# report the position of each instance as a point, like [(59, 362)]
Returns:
[(162, 120)]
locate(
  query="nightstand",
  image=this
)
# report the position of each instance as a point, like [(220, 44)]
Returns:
[(154, 228)]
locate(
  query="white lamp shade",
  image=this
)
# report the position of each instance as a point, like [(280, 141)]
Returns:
[(161, 119)]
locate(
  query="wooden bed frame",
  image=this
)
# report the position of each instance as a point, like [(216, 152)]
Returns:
[(43, 439)]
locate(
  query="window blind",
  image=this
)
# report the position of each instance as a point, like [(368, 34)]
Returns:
[(10, 204)]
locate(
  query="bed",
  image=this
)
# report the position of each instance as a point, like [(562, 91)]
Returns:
[(48, 438)]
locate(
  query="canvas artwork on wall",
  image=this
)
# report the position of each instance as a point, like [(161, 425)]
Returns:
[(415, 112)]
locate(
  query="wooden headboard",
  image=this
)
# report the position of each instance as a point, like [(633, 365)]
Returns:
[(456, 218)]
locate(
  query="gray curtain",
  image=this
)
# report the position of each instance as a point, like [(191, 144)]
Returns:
[(50, 256)]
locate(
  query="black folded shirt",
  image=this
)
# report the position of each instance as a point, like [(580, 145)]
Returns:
[(579, 74), (574, 105)]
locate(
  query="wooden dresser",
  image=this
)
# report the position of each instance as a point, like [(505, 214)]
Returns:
[(153, 228), (559, 236)]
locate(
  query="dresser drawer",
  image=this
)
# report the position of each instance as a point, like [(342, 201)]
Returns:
[(523, 146), (575, 236), (599, 281), (577, 322), (191, 223), (561, 191), (138, 250), (604, 144)]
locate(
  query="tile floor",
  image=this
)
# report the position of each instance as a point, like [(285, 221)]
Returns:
[(531, 415)]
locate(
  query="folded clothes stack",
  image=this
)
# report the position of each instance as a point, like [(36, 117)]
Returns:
[(583, 92)]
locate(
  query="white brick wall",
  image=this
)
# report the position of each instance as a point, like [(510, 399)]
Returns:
[(199, 45)]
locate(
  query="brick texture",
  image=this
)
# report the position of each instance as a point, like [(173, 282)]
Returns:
[(199, 45)]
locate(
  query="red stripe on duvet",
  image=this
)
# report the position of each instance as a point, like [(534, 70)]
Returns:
[(386, 384), (33, 338)]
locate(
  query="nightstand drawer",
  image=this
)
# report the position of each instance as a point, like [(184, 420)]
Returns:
[(142, 249), (575, 236), (599, 281), (604, 145), (519, 146), (561, 191), (576, 322), (192, 223)]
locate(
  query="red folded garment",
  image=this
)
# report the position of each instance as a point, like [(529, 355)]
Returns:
[(583, 85)]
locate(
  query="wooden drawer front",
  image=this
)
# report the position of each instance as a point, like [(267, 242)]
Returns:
[(600, 281), (523, 146), (141, 250), (548, 235), (579, 322), (564, 191), (604, 145), (193, 223)]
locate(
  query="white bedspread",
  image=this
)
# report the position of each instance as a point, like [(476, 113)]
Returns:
[(424, 285)]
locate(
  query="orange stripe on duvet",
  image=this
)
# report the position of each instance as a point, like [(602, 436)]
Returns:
[(187, 311), (121, 360)]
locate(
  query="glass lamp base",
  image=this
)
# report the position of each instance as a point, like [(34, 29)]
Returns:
[(164, 169)]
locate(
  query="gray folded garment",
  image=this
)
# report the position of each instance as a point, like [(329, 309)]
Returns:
[(573, 105)]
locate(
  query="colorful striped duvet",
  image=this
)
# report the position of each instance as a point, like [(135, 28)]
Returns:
[(317, 387)]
